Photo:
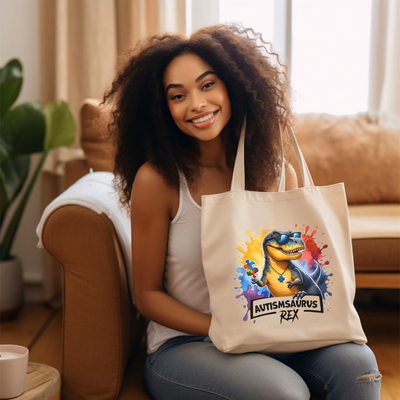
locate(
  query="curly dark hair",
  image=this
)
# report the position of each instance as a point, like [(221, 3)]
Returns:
[(143, 128)]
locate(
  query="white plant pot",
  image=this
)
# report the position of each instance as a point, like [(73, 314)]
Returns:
[(11, 288)]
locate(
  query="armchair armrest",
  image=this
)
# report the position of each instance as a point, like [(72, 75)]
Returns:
[(100, 325)]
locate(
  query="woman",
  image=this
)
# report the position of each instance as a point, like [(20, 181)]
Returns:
[(179, 105)]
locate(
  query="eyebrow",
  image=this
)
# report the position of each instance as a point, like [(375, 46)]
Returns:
[(199, 78)]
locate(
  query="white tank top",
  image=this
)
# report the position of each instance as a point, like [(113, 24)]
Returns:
[(184, 278)]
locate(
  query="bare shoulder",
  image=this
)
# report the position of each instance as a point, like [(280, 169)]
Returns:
[(147, 173), (149, 191), (290, 178)]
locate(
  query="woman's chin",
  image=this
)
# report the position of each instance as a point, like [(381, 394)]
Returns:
[(207, 136)]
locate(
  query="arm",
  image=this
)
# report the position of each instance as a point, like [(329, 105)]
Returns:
[(150, 217), (297, 278)]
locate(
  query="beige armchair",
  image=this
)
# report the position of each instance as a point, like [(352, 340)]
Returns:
[(104, 341)]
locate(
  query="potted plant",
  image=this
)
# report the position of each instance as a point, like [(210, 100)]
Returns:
[(25, 130)]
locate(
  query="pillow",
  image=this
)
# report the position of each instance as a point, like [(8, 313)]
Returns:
[(354, 149), (95, 138)]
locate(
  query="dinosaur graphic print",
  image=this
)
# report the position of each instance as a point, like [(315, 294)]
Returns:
[(283, 272), (280, 274)]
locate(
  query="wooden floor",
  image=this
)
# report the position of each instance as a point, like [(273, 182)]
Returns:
[(39, 329)]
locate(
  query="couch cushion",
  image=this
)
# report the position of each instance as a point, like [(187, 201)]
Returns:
[(375, 232), (354, 149), (374, 221)]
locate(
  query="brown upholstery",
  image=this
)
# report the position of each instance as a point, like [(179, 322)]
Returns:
[(95, 139), (100, 325), (74, 170), (368, 254), (353, 149), (102, 358)]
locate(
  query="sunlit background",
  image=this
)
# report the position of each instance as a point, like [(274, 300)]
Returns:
[(329, 43)]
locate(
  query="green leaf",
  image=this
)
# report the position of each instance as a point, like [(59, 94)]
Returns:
[(5, 149), (23, 130), (13, 226), (10, 85), (60, 125), (13, 174)]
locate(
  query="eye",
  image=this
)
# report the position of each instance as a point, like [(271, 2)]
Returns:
[(177, 97), (208, 85)]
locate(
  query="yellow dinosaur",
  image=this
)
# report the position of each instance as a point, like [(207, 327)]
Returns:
[(282, 276)]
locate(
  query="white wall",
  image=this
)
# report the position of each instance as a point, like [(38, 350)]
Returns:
[(19, 38)]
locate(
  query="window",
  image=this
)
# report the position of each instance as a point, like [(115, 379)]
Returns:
[(330, 55), (328, 46), (256, 14)]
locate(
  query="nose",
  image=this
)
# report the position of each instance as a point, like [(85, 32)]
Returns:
[(198, 102), (297, 241)]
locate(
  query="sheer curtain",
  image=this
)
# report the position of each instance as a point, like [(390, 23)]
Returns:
[(384, 96), (79, 42)]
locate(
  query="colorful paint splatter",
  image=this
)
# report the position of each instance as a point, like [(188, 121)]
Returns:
[(299, 246)]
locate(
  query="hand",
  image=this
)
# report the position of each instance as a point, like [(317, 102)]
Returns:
[(256, 281), (292, 283)]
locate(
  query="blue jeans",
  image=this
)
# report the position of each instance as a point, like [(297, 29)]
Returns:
[(192, 368)]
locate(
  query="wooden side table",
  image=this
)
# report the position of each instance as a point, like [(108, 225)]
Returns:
[(42, 382)]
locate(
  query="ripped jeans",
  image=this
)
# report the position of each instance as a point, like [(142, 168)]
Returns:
[(192, 368)]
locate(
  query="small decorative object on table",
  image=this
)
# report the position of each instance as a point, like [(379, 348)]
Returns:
[(21, 380), (13, 370)]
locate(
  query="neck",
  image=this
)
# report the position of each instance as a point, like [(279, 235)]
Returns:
[(213, 153), (280, 266)]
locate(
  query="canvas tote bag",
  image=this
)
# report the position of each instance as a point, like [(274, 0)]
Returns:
[(279, 265)]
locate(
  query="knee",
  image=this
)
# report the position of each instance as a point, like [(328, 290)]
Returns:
[(370, 377), (365, 359), (370, 372), (371, 380), (359, 363)]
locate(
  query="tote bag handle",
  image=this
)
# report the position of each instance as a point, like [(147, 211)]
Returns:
[(238, 178)]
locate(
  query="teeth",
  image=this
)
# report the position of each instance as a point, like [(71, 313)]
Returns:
[(290, 252), (203, 119)]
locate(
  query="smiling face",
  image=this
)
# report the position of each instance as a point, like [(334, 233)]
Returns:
[(197, 99)]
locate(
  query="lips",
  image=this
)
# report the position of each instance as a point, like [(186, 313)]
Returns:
[(202, 115), (207, 122)]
